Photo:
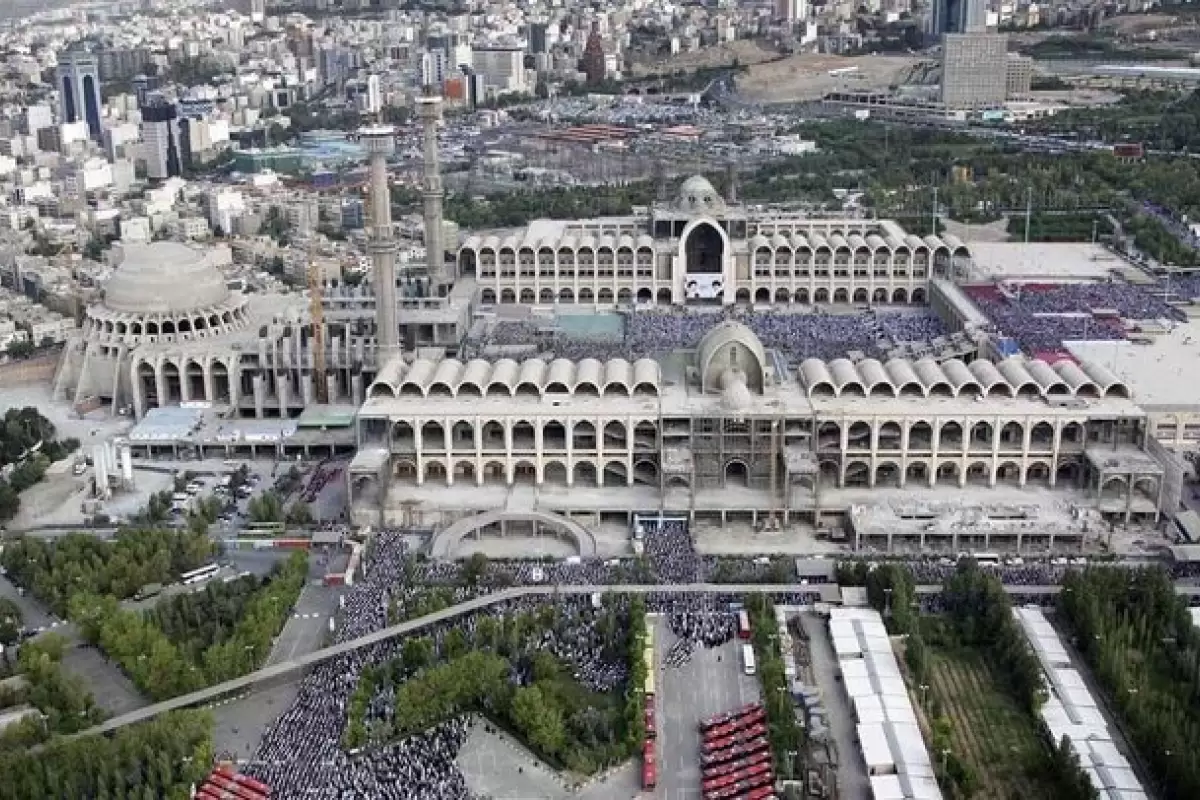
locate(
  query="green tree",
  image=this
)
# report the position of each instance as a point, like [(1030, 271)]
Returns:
[(474, 568), (539, 719), (11, 621), (416, 653)]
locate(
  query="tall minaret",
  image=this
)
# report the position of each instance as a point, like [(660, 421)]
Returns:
[(380, 143), (429, 109)]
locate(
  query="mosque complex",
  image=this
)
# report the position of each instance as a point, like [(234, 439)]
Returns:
[(760, 368)]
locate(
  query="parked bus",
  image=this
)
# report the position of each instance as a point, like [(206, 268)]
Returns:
[(743, 624), (198, 575), (649, 688), (649, 768), (748, 665)]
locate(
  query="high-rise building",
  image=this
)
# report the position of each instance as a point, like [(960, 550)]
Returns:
[(790, 11), (503, 66), (957, 16), (78, 83), (374, 103), (258, 10), (433, 68), (974, 70), (163, 149), (593, 58), (537, 37)]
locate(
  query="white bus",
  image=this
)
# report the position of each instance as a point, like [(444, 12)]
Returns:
[(198, 575), (748, 665)]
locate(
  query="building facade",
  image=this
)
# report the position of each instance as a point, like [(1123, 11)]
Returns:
[(78, 83), (702, 250)]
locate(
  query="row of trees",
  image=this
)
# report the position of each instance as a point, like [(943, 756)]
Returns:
[(1060, 227), (471, 670), (187, 656), (54, 570), (635, 656), (156, 760), (785, 734), (29, 446), (1138, 638), (979, 616), (63, 700)]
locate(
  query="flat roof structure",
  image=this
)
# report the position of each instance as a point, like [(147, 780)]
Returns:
[(1160, 374), (1045, 261), (892, 746), (1072, 711), (167, 424)]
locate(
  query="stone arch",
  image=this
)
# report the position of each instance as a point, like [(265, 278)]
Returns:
[(880, 296), (645, 471), (507, 296), (918, 296), (860, 295), (1012, 434), (1073, 433), (193, 374), (948, 472), (403, 435), (546, 296), (433, 436), (462, 435), (404, 471), (762, 295), (488, 297), (1009, 472), (858, 436), (801, 296), (900, 296), (614, 434), (527, 296), (525, 472), (916, 472), (492, 435), (782, 296), (435, 471), (554, 473), (1067, 473), (524, 437), (828, 472), (625, 296), (736, 473), (1114, 486), (982, 434), (615, 473), (583, 435), (445, 542), (841, 295), (1147, 487), (604, 296), (663, 298), (584, 474), (495, 471), (920, 436), (554, 435), (889, 435), (566, 296), (887, 473), (222, 386), (645, 296), (821, 296), (1041, 436), (979, 473), (1038, 473), (742, 297), (586, 296), (858, 473), (829, 436), (172, 382)]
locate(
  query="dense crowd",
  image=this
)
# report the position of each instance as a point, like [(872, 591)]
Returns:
[(796, 335)]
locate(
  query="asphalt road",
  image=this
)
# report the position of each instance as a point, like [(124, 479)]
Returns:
[(711, 683)]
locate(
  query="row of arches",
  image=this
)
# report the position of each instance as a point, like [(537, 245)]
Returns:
[(523, 435), (172, 381), (764, 295), (761, 295), (525, 472), (950, 473), (920, 435)]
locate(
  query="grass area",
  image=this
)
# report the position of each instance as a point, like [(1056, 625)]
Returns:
[(989, 730)]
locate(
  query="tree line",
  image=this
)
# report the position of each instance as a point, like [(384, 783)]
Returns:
[(202, 643), (472, 671), (158, 759), (27, 447), (64, 703), (54, 570), (784, 733), (1137, 636)]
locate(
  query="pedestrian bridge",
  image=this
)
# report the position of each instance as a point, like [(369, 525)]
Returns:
[(290, 670), (512, 523)]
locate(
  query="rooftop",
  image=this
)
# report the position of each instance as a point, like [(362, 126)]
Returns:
[(1159, 373), (1044, 261)]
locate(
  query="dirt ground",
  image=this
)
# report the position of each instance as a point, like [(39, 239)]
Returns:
[(806, 76), (742, 51)]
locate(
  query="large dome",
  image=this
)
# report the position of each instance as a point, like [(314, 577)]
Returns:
[(164, 278), (697, 196)]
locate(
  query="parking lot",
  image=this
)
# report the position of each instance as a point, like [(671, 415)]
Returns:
[(712, 682)]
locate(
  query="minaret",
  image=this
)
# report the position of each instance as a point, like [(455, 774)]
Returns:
[(380, 143), (429, 109)]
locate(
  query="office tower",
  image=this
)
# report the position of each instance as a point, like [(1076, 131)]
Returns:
[(433, 68), (974, 70), (374, 102), (78, 83), (258, 10), (502, 65), (537, 38), (162, 146), (593, 57), (380, 144)]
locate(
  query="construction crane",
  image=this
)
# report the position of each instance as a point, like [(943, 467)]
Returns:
[(316, 313)]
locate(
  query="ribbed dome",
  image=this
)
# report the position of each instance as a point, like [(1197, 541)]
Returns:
[(164, 278), (697, 196)]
